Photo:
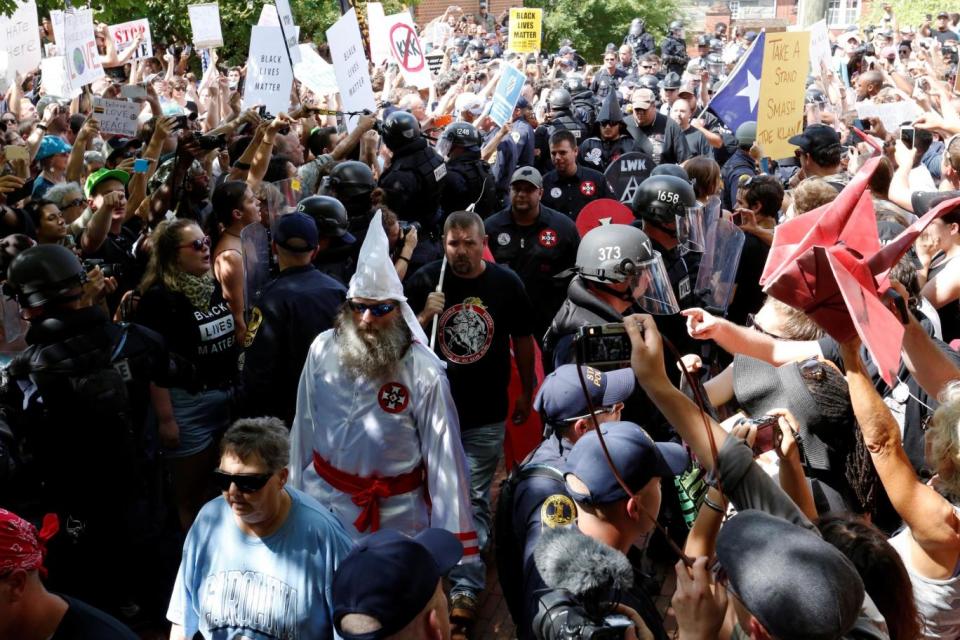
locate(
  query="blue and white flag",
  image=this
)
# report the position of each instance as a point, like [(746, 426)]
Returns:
[(735, 102)]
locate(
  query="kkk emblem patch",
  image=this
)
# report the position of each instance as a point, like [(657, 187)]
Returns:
[(587, 188), (393, 397), (548, 238)]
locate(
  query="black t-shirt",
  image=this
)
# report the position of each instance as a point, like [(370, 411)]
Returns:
[(117, 252), (83, 622), (205, 338), (669, 145), (749, 294), (473, 335)]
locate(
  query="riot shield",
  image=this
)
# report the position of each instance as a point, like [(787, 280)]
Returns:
[(255, 249), (625, 174), (711, 213), (718, 266), (278, 198), (600, 212)]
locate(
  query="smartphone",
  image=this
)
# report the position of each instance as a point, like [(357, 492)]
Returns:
[(769, 435), (14, 152), (140, 165), (906, 136), (133, 91), (604, 346), (737, 218)]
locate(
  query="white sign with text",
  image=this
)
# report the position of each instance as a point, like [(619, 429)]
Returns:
[(269, 76), (117, 116), (350, 67)]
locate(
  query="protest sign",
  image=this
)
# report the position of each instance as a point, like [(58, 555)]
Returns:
[(407, 50), (525, 29), (435, 61), (376, 23), (80, 48), (270, 17), (350, 66), (7, 72), (314, 72), (290, 31), (116, 116), (124, 34), (53, 72), (269, 76), (786, 60), (625, 174), (506, 94), (205, 23), (819, 47), (21, 39), (891, 114)]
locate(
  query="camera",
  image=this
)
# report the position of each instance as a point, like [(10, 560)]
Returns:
[(266, 115), (768, 433), (603, 346), (209, 143), (108, 269), (561, 617), (405, 228)]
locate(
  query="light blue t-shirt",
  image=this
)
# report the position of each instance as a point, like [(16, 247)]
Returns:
[(233, 585)]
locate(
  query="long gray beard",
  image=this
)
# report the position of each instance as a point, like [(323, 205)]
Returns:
[(371, 355)]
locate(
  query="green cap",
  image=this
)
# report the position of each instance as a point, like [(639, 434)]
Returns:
[(100, 175)]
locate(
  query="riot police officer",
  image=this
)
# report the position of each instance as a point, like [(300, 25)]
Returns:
[(582, 100), (469, 179), (674, 49), (76, 403), (639, 40), (522, 133), (337, 248), (351, 183), (560, 118), (598, 152), (414, 182), (617, 267)]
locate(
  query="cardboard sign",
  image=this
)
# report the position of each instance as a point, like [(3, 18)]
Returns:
[(124, 34), (376, 23), (786, 60), (435, 61), (291, 32), (350, 67), (270, 18), (7, 73), (819, 46), (205, 23), (117, 116), (314, 72), (891, 114), (53, 71), (525, 30), (269, 76), (506, 94), (407, 50), (80, 48), (21, 38)]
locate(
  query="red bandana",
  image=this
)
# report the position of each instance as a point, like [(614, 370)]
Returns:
[(21, 547)]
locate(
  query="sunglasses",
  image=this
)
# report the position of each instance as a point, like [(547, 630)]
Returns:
[(599, 412), (609, 123), (752, 324), (198, 244), (378, 310), (246, 482), (812, 369)]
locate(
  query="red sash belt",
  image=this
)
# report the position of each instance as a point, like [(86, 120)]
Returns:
[(367, 492)]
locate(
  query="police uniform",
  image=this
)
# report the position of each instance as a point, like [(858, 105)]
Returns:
[(571, 194), (641, 44), (674, 54), (536, 253), (522, 135), (504, 164), (293, 309), (597, 153), (469, 180), (564, 120), (414, 183)]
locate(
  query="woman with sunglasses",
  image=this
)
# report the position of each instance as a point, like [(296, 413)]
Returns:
[(181, 300), (259, 560)]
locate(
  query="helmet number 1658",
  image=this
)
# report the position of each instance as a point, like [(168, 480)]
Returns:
[(668, 196)]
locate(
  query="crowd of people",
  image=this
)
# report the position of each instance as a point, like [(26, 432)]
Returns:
[(260, 369)]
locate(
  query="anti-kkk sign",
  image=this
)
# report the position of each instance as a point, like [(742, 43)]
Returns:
[(407, 50), (625, 174)]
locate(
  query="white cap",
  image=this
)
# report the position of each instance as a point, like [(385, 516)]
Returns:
[(468, 102), (376, 278)]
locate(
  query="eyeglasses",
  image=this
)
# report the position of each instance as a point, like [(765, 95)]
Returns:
[(198, 244), (74, 203), (246, 482), (812, 369), (378, 310), (599, 412), (752, 323), (609, 123)]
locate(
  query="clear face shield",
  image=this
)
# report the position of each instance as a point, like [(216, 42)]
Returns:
[(691, 235), (715, 67), (649, 285), (443, 148)]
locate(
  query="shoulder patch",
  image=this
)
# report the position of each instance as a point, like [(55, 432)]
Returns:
[(558, 511)]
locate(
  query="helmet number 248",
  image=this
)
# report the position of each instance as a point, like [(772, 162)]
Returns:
[(610, 253)]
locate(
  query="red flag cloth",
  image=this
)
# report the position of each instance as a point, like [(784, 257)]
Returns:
[(600, 212), (829, 263), (21, 546)]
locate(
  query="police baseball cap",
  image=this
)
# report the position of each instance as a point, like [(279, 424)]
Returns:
[(391, 577), (637, 457), (816, 136), (296, 232), (561, 396), (528, 174), (943, 14), (523, 103)]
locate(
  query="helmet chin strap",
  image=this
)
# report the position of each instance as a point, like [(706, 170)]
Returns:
[(626, 296)]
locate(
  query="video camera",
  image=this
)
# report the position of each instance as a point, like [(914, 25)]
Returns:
[(108, 269), (560, 616), (603, 346)]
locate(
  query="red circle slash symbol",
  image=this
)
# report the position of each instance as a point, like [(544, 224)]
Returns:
[(406, 45)]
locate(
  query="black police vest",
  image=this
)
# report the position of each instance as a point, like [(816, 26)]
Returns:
[(425, 164), (566, 122), (481, 186)]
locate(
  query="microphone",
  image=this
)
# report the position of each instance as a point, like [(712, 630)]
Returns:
[(590, 570)]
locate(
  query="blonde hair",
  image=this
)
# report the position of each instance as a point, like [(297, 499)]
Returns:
[(944, 435), (163, 266), (812, 193)]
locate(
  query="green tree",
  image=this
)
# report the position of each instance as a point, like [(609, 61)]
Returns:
[(591, 24), (908, 12)]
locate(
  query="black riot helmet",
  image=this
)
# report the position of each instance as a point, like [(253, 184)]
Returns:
[(559, 99), (45, 274), (458, 134), (703, 41), (669, 169), (350, 179), (715, 64), (612, 254), (664, 200), (329, 214), (637, 25), (815, 96), (676, 28), (716, 45), (575, 84), (649, 81), (400, 129)]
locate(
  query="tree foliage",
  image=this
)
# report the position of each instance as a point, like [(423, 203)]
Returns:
[(591, 24), (908, 12)]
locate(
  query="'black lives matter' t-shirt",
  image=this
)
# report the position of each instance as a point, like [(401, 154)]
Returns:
[(205, 338), (473, 335)]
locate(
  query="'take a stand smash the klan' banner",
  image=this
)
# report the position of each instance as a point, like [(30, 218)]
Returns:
[(786, 59)]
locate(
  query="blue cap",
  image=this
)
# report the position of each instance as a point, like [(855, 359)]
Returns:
[(296, 232), (750, 36), (561, 396), (51, 146), (566, 50), (523, 103), (391, 577), (637, 457)]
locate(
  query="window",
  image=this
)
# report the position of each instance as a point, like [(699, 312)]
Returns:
[(752, 9), (841, 13)]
